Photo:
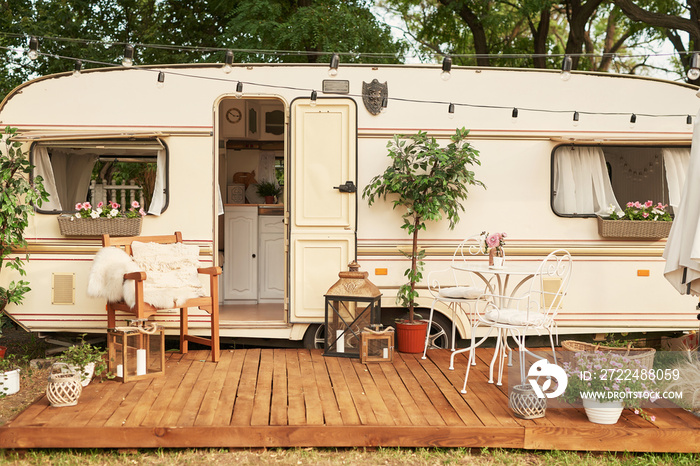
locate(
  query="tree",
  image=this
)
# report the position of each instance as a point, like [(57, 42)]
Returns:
[(18, 195), (428, 181)]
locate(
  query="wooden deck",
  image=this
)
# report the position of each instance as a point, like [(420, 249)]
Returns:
[(299, 398)]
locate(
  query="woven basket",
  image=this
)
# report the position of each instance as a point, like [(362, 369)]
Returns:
[(645, 356), (642, 229), (64, 388), (72, 226)]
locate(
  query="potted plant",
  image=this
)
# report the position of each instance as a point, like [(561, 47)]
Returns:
[(19, 195), (607, 383), (429, 182), (269, 190), (9, 375), (86, 359), (644, 221), (105, 218)]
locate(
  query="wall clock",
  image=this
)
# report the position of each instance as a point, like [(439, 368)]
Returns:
[(233, 115)]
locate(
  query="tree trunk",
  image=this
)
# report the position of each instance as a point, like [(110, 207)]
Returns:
[(414, 265)]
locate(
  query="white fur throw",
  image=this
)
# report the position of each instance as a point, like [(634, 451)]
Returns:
[(171, 274)]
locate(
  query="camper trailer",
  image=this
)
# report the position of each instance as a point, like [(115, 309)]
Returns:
[(207, 139)]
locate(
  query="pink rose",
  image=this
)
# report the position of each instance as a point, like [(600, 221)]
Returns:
[(493, 240), (135, 205)]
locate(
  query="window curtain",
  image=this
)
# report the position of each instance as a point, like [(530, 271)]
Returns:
[(581, 182), (72, 173), (158, 199), (44, 169), (676, 161)]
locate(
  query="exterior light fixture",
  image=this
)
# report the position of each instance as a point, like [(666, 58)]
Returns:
[(689, 120), (128, 59), (515, 113), (77, 68), (633, 118), (161, 80), (333, 69), (446, 68), (694, 71), (33, 53), (566, 68), (313, 98), (239, 90), (228, 61)]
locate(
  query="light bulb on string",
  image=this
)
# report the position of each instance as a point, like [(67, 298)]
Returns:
[(514, 116), (239, 90), (566, 68), (385, 103), (161, 80), (694, 70), (633, 120), (446, 68), (313, 98), (576, 118), (128, 59), (228, 62), (451, 111), (33, 53), (77, 68), (333, 68)]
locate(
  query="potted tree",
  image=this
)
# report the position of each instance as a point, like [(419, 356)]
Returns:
[(429, 182), (85, 359), (19, 195)]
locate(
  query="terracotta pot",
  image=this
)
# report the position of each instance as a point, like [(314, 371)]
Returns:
[(410, 337), (2, 351), (269, 199)]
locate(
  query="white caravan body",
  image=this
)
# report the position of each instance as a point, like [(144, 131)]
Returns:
[(279, 260)]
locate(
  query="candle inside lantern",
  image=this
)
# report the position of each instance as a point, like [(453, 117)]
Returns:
[(340, 342), (140, 362), (120, 370)]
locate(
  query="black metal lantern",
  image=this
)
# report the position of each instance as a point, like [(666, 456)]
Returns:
[(352, 304)]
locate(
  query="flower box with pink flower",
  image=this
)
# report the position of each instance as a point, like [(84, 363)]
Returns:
[(105, 218), (638, 220)]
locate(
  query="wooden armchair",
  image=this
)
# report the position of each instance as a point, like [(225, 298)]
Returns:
[(143, 310)]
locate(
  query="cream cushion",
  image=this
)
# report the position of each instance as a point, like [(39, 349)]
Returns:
[(514, 316), (460, 292)]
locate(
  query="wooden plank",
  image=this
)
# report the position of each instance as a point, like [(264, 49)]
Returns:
[(263, 390), (119, 416), (224, 408), (191, 407), (207, 409), (403, 396), (179, 397), (346, 406), (278, 404), (359, 397), (393, 404), (110, 404), (331, 411), (417, 393), (434, 390), (381, 411), (312, 398), (243, 407), (175, 370), (296, 411)]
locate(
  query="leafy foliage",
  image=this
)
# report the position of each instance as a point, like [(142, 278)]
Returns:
[(18, 195), (429, 182), (82, 354)]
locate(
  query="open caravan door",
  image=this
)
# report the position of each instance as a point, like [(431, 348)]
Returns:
[(323, 163)]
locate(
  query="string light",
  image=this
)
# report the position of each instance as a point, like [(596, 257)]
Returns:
[(239, 90), (33, 53), (313, 98), (228, 62), (333, 69), (694, 71), (689, 120), (576, 118), (128, 59), (161, 80), (385, 103), (77, 68), (451, 111), (515, 113), (566, 68), (446, 68), (633, 119)]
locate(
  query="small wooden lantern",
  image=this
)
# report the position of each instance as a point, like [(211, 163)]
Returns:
[(136, 352), (352, 304), (377, 345)]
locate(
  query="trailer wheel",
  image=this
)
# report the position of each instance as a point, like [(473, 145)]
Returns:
[(440, 332), (315, 336)]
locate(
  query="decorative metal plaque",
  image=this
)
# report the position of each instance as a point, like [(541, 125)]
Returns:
[(372, 95)]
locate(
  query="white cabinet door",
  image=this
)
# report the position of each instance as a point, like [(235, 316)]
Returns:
[(241, 261), (271, 258)]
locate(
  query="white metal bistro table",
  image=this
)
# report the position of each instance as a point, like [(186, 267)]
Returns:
[(498, 282)]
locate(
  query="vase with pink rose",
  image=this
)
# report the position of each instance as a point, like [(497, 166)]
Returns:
[(493, 244)]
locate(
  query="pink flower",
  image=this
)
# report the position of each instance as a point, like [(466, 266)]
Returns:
[(637, 205), (113, 205), (78, 206), (135, 204), (630, 204), (648, 204), (645, 214), (493, 240), (636, 411), (100, 204), (653, 418), (87, 205), (142, 212)]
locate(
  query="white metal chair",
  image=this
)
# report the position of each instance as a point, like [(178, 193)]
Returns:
[(455, 289), (516, 316)]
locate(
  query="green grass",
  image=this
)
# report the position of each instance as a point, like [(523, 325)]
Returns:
[(332, 456)]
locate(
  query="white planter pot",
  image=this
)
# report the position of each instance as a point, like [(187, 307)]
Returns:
[(86, 376), (9, 382), (607, 412)]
